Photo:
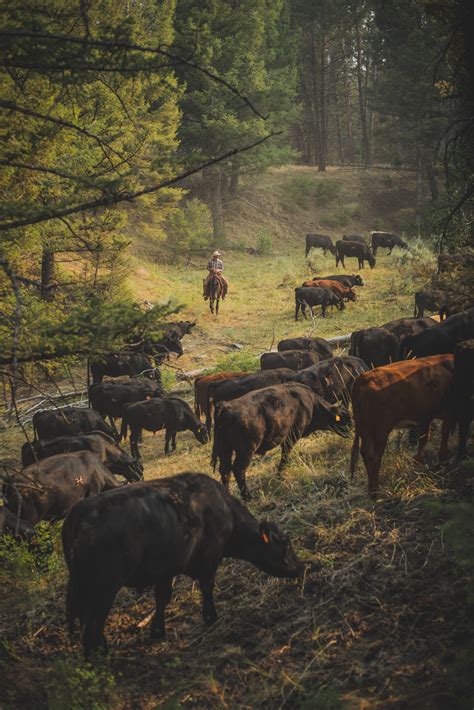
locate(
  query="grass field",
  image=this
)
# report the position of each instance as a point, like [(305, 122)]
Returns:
[(378, 620)]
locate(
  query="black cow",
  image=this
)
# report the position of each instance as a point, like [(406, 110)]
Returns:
[(224, 391), (269, 417), (171, 414), (118, 364), (159, 349), (109, 398), (463, 392), (361, 251), (354, 238), (291, 359), (68, 421), (401, 327), (431, 299), (319, 241), (381, 346), (386, 240), (52, 486), (313, 296), (109, 452), (347, 280), (441, 339), (185, 524), (332, 379), (319, 345), (180, 328), (10, 523)]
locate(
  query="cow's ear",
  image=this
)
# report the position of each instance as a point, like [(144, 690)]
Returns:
[(264, 532)]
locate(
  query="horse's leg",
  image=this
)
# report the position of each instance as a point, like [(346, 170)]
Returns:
[(217, 306), (211, 304)]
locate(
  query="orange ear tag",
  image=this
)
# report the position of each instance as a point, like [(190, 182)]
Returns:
[(265, 538), (338, 418)]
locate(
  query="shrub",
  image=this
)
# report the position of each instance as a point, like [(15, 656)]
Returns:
[(264, 245), (77, 685), (236, 362), (189, 229)]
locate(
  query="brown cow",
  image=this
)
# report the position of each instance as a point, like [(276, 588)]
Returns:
[(201, 385), (403, 394), (339, 289)]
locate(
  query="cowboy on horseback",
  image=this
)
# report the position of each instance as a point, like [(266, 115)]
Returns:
[(215, 266)]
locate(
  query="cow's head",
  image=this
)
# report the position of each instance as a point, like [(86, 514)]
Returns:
[(330, 417), (357, 280), (202, 435), (351, 294), (273, 553), (371, 260)]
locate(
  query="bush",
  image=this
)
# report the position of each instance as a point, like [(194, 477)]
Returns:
[(236, 362), (189, 229), (77, 685), (264, 245)]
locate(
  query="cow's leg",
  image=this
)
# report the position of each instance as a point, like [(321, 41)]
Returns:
[(173, 441), (389, 251), (134, 448), (206, 583), (464, 426), (446, 429), (297, 309), (163, 592), (372, 453), (168, 435), (93, 632), (286, 448), (323, 310), (225, 466), (423, 439), (113, 426), (241, 463)]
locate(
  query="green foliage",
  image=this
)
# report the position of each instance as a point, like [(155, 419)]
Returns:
[(342, 215), (323, 699), (238, 362), (72, 683), (189, 229), (43, 555), (264, 244)]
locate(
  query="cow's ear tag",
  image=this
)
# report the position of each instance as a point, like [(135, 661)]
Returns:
[(265, 538), (338, 418)]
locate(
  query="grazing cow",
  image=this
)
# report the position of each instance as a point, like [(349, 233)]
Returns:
[(68, 421), (404, 394), (381, 346), (52, 486), (354, 238), (109, 398), (226, 391), (184, 524), (313, 296), (319, 345), (10, 523), (430, 299), (159, 349), (180, 328), (109, 452), (349, 280), (443, 338), (319, 241), (335, 286), (361, 251), (447, 262), (201, 388), (387, 241), (118, 364), (291, 359), (171, 414), (332, 379), (463, 392), (261, 420)]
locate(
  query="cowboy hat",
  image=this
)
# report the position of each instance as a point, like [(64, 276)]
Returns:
[(217, 253)]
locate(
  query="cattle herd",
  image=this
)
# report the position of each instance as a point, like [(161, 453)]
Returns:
[(401, 374)]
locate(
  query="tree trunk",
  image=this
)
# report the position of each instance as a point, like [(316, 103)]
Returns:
[(47, 275), (430, 174), (234, 177), (362, 102), (338, 125), (322, 108), (315, 98), (216, 207), (419, 190)]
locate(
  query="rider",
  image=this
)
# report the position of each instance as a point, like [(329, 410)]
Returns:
[(215, 265)]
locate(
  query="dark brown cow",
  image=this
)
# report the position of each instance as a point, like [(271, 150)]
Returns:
[(270, 417), (431, 299), (201, 386), (339, 289), (354, 238), (386, 240), (68, 421), (348, 280), (361, 251), (319, 345), (319, 241), (292, 359), (463, 392), (381, 346), (401, 395)]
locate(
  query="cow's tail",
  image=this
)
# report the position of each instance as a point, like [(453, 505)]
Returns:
[(197, 403), (417, 310), (354, 452), (88, 382), (35, 431), (217, 436)]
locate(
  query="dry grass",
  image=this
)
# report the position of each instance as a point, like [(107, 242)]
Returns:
[(379, 614)]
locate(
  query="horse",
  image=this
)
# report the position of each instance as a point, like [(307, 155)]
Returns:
[(216, 290)]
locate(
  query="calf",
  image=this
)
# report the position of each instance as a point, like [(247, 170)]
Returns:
[(118, 364), (180, 328), (348, 280), (314, 296), (201, 387), (332, 379), (361, 251), (270, 417), (430, 299), (50, 488), (291, 359), (319, 241), (354, 238), (184, 524), (109, 452), (171, 414), (335, 286), (387, 241), (463, 392), (109, 398), (319, 345), (404, 394), (68, 421), (159, 349), (440, 339)]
